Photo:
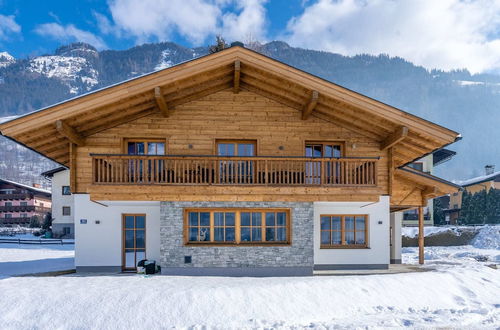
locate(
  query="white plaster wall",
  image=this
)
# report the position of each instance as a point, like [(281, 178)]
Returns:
[(101, 244), (378, 235), (59, 200)]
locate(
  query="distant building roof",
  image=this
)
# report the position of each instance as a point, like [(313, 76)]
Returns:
[(480, 179), (442, 155), (50, 173), (30, 188)]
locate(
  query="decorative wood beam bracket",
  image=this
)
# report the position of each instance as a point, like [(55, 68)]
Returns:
[(394, 138), (427, 193), (161, 102), (309, 107), (70, 133), (237, 72)]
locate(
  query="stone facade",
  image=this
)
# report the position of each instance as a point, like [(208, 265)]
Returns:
[(295, 259)]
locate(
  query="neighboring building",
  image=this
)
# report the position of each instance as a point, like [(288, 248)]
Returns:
[(235, 164), (453, 204), (426, 164), (63, 223), (19, 203)]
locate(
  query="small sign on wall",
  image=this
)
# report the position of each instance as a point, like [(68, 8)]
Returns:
[(83, 221)]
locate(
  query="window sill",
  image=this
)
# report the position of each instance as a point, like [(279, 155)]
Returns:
[(355, 247), (213, 244)]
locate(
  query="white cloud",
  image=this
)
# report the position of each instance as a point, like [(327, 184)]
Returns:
[(147, 19), (195, 20), (69, 32), (250, 23), (445, 34), (8, 25)]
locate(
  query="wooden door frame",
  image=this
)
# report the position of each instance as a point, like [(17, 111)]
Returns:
[(123, 237), (342, 145), (255, 142)]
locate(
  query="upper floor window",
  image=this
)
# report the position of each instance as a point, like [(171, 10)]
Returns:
[(344, 231), (146, 147), (8, 203), (8, 215), (419, 166), (23, 203), (66, 190), (324, 149), (242, 148)]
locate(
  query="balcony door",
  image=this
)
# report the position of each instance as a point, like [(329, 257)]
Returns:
[(322, 150), (236, 171), (134, 240), (140, 169)]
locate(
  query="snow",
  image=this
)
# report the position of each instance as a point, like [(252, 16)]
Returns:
[(6, 59), (459, 290), (478, 179), (66, 68), (468, 82), (488, 238), (6, 119), (164, 61), (412, 232), (26, 186), (18, 259)]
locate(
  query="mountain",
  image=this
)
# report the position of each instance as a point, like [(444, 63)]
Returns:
[(467, 103)]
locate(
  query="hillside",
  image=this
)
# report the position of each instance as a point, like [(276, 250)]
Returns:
[(466, 103)]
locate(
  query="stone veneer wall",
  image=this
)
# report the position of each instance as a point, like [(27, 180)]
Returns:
[(296, 259)]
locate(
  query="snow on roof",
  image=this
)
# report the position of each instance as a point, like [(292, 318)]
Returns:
[(6, 119), (44, 191), (478, 179)]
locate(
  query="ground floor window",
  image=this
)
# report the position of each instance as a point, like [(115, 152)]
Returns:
[(237, 226), (344, 231)]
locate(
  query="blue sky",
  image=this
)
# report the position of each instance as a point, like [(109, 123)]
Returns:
[(443, 34)]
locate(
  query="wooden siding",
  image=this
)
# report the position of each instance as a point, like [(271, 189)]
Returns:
[(193, 128)]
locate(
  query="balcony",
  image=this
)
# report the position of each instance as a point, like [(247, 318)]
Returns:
[(24, 208), (237, 171), (15, 221), (16, 196)]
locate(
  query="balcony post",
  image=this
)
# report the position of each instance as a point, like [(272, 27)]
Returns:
[(421, 235)]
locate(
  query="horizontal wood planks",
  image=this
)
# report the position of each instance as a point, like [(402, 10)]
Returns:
[(193, 128)]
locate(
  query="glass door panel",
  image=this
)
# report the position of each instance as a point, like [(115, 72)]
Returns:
[(313, 168), (134, 240), (239, 171)]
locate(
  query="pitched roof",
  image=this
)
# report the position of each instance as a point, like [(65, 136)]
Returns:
[(479, 179), (94, 112), (30, 188), (50, 173)]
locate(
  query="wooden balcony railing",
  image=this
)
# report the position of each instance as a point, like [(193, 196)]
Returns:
[(218, 170), (23, 208)]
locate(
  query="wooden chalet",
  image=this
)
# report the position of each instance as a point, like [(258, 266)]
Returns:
[(233, 135)]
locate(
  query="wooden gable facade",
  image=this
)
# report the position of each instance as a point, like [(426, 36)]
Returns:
[(235, 95)]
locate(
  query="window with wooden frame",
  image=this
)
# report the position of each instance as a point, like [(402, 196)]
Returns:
[(332, 172), (344, 231), (237, 226), (145, 146)]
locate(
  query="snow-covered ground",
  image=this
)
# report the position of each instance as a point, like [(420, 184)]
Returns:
[(18, 259), (458, 291)]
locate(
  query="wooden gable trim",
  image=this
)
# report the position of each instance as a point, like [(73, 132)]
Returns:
[(161, 103), (311, 104), (70, 133), (236, 82), (394, 138)]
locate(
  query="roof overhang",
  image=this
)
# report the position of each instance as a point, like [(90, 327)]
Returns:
[(49, 131)]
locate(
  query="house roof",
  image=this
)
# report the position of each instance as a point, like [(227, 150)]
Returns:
[(50, 173), (24, 186), (480, 179), (46, 131), (441, 156)]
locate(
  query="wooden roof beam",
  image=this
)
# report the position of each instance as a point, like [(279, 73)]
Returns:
[(161, 103), (70, 133), (237, 72), (309, 107), (394, 138)]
